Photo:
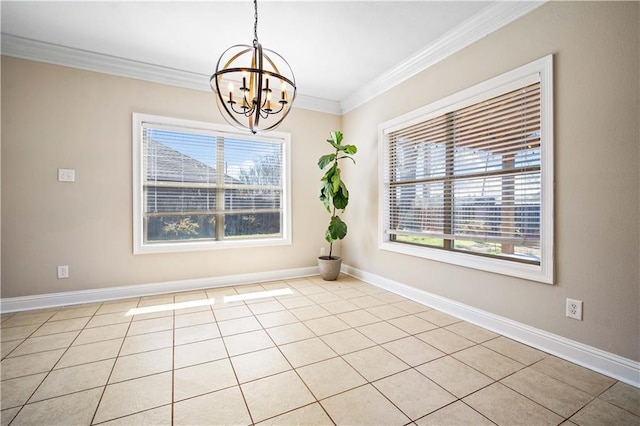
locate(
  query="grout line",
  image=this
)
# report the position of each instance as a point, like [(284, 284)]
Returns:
[(112, 367), (127, 415), (173, 362), (316, 401), (54, 365), (344, 288), (235, 374), (30, 335)]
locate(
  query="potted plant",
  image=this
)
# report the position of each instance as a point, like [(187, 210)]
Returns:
[(335, 196)]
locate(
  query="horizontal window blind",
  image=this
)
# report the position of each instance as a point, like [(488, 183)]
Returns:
[(255, 182), (471, 174), (207, 185), (179, 172)]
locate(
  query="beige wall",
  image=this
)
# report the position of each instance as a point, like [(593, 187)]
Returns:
[(596, 52), (56, 117)]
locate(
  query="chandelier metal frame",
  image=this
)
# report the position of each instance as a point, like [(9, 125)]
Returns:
[(255, 102)]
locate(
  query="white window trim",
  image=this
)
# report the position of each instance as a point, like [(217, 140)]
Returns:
[(139, 247), (544, 272)]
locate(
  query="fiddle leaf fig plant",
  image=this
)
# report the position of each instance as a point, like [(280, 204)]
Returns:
[(333, 192)]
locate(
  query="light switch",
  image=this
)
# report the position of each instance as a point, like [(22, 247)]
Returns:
[(66, 175)]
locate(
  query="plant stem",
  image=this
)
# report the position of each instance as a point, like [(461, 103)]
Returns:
[(334, 207), (335, 162), (331, 244)]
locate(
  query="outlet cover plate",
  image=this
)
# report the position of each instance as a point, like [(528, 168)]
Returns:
[(574, 309), (63, 272)]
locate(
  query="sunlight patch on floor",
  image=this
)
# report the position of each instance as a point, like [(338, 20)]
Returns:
[(258, 295), (170, 306), (209, 301)]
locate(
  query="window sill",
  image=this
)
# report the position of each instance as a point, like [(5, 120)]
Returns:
[(208, 245), (537, 273)]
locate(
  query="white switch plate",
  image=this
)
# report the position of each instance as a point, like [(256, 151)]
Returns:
[(66, 175)]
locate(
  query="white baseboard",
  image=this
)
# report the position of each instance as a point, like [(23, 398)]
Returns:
[(40, 301), (623, 369), (617, 367)]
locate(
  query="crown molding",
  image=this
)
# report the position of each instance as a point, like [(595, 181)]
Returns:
[(318, 104), (34, 50), (477, 27), (24, 48), (487, 21)]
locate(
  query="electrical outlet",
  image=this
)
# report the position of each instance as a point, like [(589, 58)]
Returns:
[(574, 309), (63, 272)]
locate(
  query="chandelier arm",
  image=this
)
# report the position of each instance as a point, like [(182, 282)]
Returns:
[(220, 99), (265, 113), (282, 104), (244, 110), (231, 118)]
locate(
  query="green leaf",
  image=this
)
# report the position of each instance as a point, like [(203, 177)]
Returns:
[(350, 149), (329, 174), (337, 230), (343, 190), (336, 136), (335, 145), (335, 180), (326, 193), (333, 191), (325, 159), (340, 201), (336, 139), (328, 237)]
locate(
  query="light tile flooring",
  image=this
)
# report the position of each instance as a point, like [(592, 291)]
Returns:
[(338, 352)]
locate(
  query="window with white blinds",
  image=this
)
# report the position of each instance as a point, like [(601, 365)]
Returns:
[(471, 176), (199, 186)]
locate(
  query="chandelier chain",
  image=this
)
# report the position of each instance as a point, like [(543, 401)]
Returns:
[(255, 25)]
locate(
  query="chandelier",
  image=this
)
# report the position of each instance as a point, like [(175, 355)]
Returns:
[(254, 87)]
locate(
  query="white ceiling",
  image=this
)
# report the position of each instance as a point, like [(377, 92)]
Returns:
[(340, 51)]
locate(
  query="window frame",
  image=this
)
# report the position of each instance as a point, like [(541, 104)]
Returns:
[(139, 245), (544, 272)]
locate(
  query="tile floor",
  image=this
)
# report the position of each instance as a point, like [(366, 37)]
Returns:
[(340, 352)]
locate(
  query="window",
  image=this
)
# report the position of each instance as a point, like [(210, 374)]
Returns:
[(199, 186), (469, 179)]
